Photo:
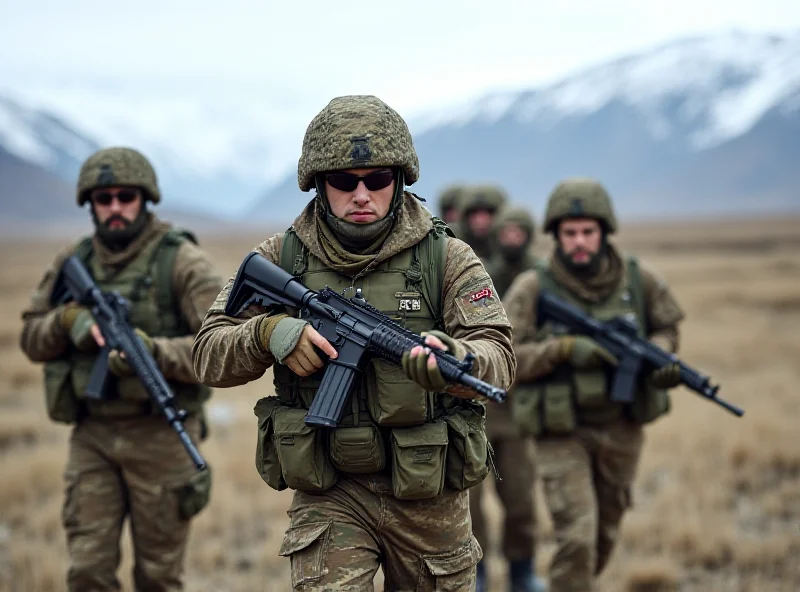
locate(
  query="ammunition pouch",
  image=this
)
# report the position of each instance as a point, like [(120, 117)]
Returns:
[(357, 450), (649, 404), (62, 405), (392, 399), (467, 449), (268, 464), (418, 460), (195, 495), (304, 461)]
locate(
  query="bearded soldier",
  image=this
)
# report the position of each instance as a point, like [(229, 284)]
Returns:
[(479, 207), (125, 461), (388, 486), (513, 234), (587, 446)]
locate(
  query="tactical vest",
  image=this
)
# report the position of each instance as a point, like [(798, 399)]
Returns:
[(568, 397), (423, 440), (146, 282)]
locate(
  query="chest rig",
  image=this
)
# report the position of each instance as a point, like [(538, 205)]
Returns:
[(146, 282)]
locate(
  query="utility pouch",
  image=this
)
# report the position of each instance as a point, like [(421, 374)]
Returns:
[(418, 460), (301, 451)]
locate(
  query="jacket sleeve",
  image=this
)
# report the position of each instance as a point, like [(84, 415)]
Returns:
[(475, 317), (664, 314), (227, 351), (43, 338)]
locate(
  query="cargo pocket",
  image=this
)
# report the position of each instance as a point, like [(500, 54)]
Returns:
[(418, 460), (467, 450), (393, 399), (195, 495), (450, 572), (307, 547), (559, 414), (301, 451), (268, 464), (526, 409), (60, 400), (357, 450), (591, 389)]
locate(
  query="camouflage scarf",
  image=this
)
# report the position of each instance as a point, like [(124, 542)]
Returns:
[(110, 257), (412, 224), (594, 287)]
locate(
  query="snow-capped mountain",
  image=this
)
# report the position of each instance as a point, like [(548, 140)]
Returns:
[(700, 125)]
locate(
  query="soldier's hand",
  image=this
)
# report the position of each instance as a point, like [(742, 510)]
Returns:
[(303, 359), (420, 364), (79, 323), (584, 353), (116, 360), (667, 377)]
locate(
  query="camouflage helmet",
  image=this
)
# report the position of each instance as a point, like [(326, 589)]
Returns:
[(117, 166), (490, 197), (452, 197), (356, 131), (516, 215), (580, 198)]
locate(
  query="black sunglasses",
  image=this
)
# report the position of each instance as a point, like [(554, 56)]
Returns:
[(124, 196), (348, 181)]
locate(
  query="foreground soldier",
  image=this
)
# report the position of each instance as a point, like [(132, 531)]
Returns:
[(479, 207), (513, 235), (387, 487), (587, 446), (124, 458)]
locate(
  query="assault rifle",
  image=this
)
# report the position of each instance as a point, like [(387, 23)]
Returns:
[(636, 355), (357, 330), (110, 311)]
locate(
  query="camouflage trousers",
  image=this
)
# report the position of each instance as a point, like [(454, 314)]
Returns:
[(338, 539), (587, 482), (514, 458), (133, 468)]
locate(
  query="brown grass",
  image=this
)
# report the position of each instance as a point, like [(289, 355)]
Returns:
[(717, 500)]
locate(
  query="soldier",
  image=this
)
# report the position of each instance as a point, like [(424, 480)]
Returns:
[(450, 203), (124, 458), (587, 446), (478, 210), (513, 233), (388, 486)]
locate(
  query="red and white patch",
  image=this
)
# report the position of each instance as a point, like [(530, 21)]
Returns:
[(480, 295)]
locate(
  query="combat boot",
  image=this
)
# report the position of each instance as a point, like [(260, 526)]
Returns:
[(522, 578)]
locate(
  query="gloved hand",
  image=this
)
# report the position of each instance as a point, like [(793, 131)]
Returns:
[(118, 365), (77, 321), (421, 367), (283, 337), (667, 377), (584, 353)]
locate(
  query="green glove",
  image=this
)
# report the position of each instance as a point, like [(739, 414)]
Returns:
[(667, 377), (118, 365), (78, 322), (416, 368), (284, 337), (584, 353)]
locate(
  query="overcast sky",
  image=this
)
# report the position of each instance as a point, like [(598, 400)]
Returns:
[(411, 53)]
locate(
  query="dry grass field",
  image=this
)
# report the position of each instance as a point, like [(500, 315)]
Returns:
[(717, 501)]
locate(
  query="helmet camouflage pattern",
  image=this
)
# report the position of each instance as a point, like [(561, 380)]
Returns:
[(580, 198), (490, 197), (114, 167), (356, 131)]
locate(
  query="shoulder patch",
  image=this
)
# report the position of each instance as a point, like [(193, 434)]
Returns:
[(477, 302)]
